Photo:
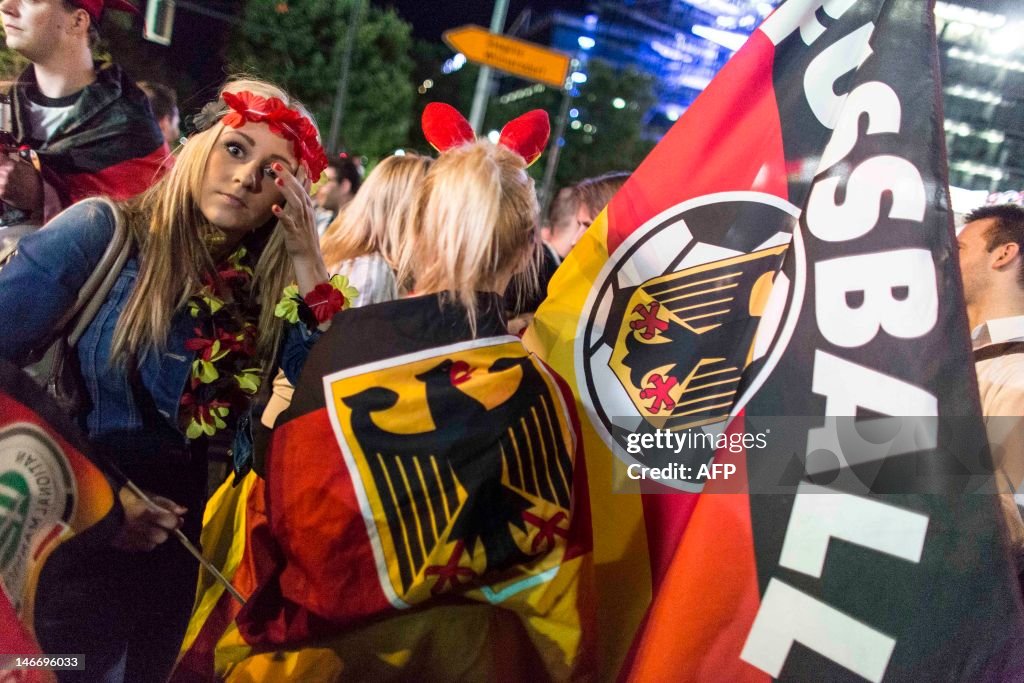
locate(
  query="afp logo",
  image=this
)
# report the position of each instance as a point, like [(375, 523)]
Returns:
[(689, 315)]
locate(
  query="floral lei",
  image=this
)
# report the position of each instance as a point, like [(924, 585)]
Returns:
[(224, 375), (320, 305)]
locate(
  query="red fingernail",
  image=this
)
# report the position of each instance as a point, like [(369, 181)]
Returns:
[(278, 167), (280, 182)]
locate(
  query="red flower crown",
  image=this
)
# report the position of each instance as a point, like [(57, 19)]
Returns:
[(288, 123)]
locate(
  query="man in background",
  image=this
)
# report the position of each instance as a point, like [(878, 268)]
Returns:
[(164, 104), (991, 247), (343, 176), (559, 230), (592, 195), (85, 128)]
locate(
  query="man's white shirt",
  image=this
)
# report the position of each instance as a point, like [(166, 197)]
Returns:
[(1001, 386)]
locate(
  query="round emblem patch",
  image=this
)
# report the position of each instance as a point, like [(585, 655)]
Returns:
[(37, 494), (688, 316)]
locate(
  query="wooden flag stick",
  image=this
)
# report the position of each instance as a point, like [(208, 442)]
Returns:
[(206, 564)]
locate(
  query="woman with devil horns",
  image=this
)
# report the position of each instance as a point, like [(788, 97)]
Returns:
[(173, 356), (428, 460)]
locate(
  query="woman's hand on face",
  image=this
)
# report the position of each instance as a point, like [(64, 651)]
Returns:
[(296, 212), (297, 218), (145, 527)]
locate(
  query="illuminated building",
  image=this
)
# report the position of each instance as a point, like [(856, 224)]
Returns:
[(982, 59), (683, 44)]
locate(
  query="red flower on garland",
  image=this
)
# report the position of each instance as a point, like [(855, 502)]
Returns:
[(324, 300), (282, 121)]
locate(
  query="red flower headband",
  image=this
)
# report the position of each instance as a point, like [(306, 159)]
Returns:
[(527, 135), (282, 121)]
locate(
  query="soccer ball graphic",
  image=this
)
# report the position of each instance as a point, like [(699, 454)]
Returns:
[(688, 316)]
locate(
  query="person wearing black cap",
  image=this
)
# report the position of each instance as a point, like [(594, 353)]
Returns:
[(89, 128)]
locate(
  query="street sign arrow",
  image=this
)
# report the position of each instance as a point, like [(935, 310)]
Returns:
[(513, 56)]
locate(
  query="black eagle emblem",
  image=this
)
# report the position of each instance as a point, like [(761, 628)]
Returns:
[(506, 460), (686, 338)]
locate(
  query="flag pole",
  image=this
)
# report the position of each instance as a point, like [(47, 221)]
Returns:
[(189, 546), (341, 93), (111, 468), (555, 149)]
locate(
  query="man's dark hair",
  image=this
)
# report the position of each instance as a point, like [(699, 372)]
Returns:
[(346, 170), (1007, 226), (94, 30), (595, 193), (162, 99)]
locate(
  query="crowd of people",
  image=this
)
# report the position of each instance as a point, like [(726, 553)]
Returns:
[(237, 268), (253, 258)]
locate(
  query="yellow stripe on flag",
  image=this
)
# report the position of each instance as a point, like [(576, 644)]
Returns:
[(621, 566), (223, 543)]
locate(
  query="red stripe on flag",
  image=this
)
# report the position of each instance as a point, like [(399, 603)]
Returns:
[(742, 151), (15, 639), (120, 181), (47, 540), (317, 538), (665, 518), (708, 593)]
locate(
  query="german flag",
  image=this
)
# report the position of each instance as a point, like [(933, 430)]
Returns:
[(50, 492), (785, 257), (424, 516)]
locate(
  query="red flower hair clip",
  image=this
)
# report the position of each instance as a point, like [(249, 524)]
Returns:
[(526, 135), (287, 123)]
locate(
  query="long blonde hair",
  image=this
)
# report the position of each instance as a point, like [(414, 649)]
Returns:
[(168, 228), (373, 221), (472, 223)]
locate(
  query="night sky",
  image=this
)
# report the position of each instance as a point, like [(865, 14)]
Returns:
[(430, 18)]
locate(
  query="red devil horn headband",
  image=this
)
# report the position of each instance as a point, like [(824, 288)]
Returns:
[(527, 135)]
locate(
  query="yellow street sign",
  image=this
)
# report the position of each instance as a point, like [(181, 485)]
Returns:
[(517, 57)]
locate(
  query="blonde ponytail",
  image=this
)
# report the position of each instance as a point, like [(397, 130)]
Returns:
[(472, 226)]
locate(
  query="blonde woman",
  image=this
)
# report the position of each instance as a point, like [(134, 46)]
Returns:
[(182, 342), (440, 469), (362, 243)]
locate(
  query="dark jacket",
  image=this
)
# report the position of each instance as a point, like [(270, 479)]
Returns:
[(109, 144)]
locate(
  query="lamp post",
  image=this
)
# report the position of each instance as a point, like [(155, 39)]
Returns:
[(346, 64)]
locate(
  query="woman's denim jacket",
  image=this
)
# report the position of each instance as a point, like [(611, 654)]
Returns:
[(40, 285)]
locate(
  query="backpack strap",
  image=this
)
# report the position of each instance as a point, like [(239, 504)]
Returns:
[(996, 350), (95, 290)]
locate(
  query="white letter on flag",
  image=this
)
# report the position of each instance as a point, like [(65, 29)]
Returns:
[(899, 297), (834, 222), (821, 514), (879, 102), (788, 615), (848, 53), (799, 14)]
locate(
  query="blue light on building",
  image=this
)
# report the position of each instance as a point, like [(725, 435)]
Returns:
[(681, 43)]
